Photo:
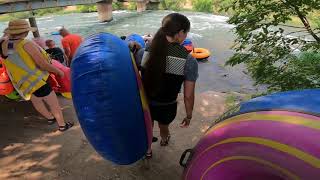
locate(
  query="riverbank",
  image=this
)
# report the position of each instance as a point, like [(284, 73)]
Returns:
[(75, 9), (208, 31), (30, 149)]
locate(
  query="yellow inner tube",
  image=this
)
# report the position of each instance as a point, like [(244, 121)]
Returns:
[(67, 95), (200, 53)]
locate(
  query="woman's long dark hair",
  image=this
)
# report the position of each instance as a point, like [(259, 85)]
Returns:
[(156, 63)]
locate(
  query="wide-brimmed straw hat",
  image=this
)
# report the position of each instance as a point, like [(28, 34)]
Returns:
[(19, 26)]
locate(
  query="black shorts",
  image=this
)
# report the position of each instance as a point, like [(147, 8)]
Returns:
[(43, 91), (164, 114)]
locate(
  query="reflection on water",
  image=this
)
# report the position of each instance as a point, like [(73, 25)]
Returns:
[(207, 31)]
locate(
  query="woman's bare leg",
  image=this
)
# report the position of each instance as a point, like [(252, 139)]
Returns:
[(39, 105), (164, 131), (55, 108)]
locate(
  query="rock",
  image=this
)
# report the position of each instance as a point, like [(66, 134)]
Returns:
[(224, 75), (245, 72)]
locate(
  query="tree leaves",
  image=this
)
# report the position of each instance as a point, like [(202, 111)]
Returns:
[(268, 48)]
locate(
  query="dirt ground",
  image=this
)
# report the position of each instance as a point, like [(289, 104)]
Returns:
[(31, 149)]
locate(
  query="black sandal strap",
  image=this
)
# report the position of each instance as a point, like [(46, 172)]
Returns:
[(154, 139), (166, 141), (65, 127)]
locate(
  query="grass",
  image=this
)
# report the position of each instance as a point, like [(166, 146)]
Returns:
[(233, 98), (5, 17), (37, 13), (231, 101)]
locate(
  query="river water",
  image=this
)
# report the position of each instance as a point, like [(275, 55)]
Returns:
[(207, 31)]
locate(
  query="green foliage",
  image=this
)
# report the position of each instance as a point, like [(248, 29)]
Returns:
[(42, 12), (231, 101), (297, 72), (154, 6), (175, 5), (132, 6), (87, 8), (219, 6), (266, 45), (117, 5), (20, 15), (315, 19), (202, 5), (5, 17), (27, 14)]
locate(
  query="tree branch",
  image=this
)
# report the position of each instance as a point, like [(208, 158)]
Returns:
[(304, 20)]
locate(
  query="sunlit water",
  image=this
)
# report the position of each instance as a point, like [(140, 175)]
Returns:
[(207, 31)]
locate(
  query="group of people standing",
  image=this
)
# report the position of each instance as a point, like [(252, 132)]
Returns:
[(165, 66), (29, 65), (70, 43)]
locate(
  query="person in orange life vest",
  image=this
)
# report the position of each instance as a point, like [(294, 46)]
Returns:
[(28, 67), (70, 43)]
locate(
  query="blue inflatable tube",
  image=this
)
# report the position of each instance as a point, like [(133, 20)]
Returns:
[(307, 101), (304, 101), (186, 42), (55, 33), (136, 38), (107, 100)]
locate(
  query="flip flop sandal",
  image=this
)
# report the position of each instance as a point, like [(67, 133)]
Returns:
[(51, 121), (165, 142), (65, 127)]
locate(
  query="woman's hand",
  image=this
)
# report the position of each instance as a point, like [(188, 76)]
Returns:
[(134, 47), (185, 123), (147, 38)]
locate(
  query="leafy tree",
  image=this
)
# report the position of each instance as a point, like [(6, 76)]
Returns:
[(132, 6), (267, 45), (117, 5), (175, 5), (218, 6), (87, 8), (202, 5), (42, 12)]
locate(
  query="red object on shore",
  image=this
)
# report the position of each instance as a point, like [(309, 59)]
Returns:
[(6, 86)]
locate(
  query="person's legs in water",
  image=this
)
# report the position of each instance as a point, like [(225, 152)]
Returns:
[(164, 133)]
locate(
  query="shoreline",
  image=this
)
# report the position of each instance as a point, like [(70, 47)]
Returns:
[(126, 6)]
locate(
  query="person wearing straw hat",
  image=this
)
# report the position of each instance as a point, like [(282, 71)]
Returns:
[(28, 67)]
